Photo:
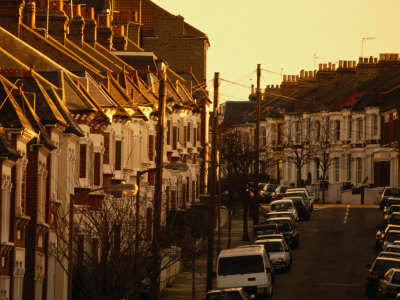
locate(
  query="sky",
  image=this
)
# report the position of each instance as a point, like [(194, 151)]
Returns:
[(286, 36)]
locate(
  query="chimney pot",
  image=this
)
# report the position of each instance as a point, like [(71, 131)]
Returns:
[(91, 13), (345, 64), (59, 4), (396, 56), (333, 67), (341, 63), (325, 66), (31, 7), (354, 63), (375, 60), (77, 10), (284, 78), (330, 66), (320, 67), (371, 59), (350, 64), (302, 73), (360, 60), (83, 11), (387, 56), (381, 56)]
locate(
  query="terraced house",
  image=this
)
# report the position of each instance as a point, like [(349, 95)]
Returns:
[(80, 91), (337, 125)]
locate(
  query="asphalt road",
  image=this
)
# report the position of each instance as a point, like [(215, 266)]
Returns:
[(335, 246)]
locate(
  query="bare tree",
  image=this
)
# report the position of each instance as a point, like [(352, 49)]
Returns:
[(237, 156), (297, 145), (324, 138), (104, 242)]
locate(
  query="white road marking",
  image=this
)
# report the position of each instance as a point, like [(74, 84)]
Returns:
[(346, 214)]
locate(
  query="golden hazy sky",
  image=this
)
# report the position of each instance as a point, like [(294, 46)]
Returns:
[(285, 36)]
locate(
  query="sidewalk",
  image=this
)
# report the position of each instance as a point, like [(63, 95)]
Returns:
[(181, 288)]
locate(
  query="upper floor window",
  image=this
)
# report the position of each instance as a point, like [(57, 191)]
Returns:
[(264, 137), (82, 161), (359, 168), (297, 133), (349, 128), (337, 130), (168, 132), (375, 124), (317, 133), (118, 154), (336, 169), (360, 129)]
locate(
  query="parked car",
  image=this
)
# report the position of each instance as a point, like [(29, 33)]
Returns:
[(389, 285), (284, 205), (267, 191), (381, 235), (265, 228), (388, 212), (389, 254), (390, 237), (279, 253), (237, 293), (376, 272), (394, 218), (387, 192), (392, 248), (236, 266), (301, 193), (301, 207), (288, 228), (390, 202), (277, 214), (270, 236), (280, 192)]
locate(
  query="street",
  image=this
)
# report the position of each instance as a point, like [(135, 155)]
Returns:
[(335, 246)]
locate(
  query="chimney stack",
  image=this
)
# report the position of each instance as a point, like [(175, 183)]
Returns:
[(57, 19), (104, 32), (76, 26), (90, 28), (119, 41), (11, 15)]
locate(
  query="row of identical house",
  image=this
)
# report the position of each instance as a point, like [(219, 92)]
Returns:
[(346, 114), (79, 93)]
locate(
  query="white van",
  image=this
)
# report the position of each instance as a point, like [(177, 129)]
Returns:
[(247, 267)]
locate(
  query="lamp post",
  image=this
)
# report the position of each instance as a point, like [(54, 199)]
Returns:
[(115, 187)]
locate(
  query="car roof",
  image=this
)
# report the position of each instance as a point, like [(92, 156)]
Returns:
[(280, 218), (273, 240), (393, 246), (389, 252), (281, 200), (241, 251)]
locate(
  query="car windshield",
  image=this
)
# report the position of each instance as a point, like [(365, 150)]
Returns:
[(382, 265), (224, 296), (394, 219), (393, 249), (281, 205), (395, 208), (271, 188), (283, 225), (273, 247), (240, 265), (393, 202), (394, 192), (296, 194), (392, 236), (396, 278)]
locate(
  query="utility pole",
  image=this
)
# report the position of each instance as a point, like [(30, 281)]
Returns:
[(213, 175), (156, 267), (257, 148)]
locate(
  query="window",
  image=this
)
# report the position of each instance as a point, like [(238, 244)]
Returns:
[(317, 131), (97, 168), (106, 155), (336, 166), (194, 136), (359, 168), (349, 167), (185, 134), (349, 128), (360, 129), (174, 137), (280, 133), (118, 154), (151, 147), (82, 161), (168, 132), (375, 124), (297, 132), (188, 132), (264, 137), (337, 130)]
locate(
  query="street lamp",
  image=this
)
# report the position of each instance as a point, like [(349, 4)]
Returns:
[(114, 187)]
